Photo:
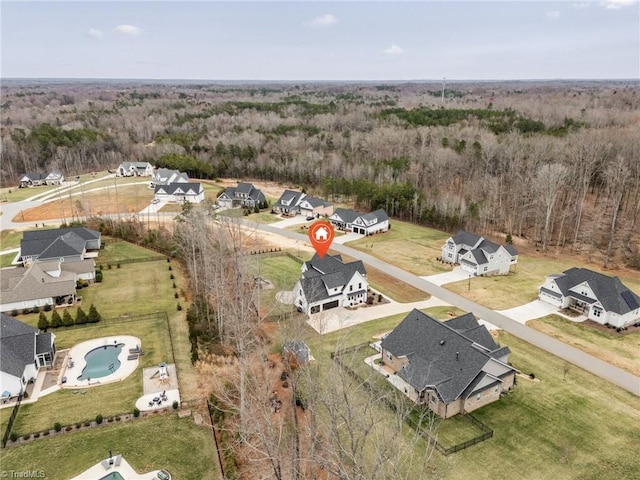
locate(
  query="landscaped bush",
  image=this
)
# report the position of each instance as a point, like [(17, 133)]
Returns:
[(99, 419), (13, 437), (175, 295), (117, 419), (175, 404), (43, 323), (136, 412), (172, 276), (35, 310), (26, 311), (45, 433), (170, 268), (98, 276), (47, 308), (118, 265), (174, 285), (14, 313), (79, 285), (56, 320), (36, 435), (67, 319), (81, 317), (94, 316), (87, 424), (27, 436), (78, 425), (68, 429), (109, 266), (178, 307), (57, 426), (85, 284)]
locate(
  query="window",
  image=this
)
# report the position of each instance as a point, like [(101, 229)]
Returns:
[(351, 288), (359, 286), (597, 312), (389, 355), (485, 269)]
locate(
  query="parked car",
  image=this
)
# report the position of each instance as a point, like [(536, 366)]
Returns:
[(155, 200), (310, 217)]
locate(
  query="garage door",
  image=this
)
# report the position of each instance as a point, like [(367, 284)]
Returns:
[(329, 305)]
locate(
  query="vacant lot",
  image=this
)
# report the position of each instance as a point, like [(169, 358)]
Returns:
[(548, 428), (407, 246), (621, 350), (112, 199), (162, 441)]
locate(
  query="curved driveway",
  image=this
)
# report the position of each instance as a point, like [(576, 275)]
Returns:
[(591, 364)]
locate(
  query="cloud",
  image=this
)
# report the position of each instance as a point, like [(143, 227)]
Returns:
[(618, 4), (95, 33), (553, 15), (581, 5), (393, 50), (128, 30), (324, 21)]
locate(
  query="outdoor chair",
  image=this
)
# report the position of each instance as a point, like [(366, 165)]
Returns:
[(106, 464), (118, 460)]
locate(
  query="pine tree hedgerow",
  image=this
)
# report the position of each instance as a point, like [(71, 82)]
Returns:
[(43, 323), (94, 316), (56, 320), (81, 317)]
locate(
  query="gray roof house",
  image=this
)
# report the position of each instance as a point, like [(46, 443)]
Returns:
[(453, 367), (165, 176), (363, 223), (23, 350), (293, 202), (603, 299), (134, 169), (329, 282), (180, 192), (479, 256), (35, 179), (244, 195), (28, 287), (64, 244)]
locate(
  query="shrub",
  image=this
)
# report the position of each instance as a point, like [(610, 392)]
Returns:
[(36, 435), (170, 268), (81, 317), (99, 419), (136, 412), (79, 284), (99, 276), (85, 284), (118, 265), (26, 311), (78, 425), (87, 424), (68, 429), (14, 313), (47, 307), (171, 276), (532, 376), (94, 316), (27, 436), (13, 436), (168, 260), (174, 285), (43, 323), (45, 433), (66, 319), (35, 310), (175, 295), (117, 419), (57, 426), (175, 404), (108, 266), (178, 307)]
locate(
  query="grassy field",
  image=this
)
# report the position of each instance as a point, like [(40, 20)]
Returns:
[(620, 350), (548, 428), (407, 246), (283, 272), (506, 291), (15, 194), (124, 199), (5, 260), (116, 250), (67, 408), (161, 441)]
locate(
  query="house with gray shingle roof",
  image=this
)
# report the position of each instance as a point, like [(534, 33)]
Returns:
[(134, 169), (479, 256), (23, 351), (244, 195), (74, 244), (180, 192), (452, 367), (33, 286), (362, 223), (37, 179), (166, 176), (293, 202), (601, 298), (329, 282)]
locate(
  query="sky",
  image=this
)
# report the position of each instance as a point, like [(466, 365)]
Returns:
[(320, 40)]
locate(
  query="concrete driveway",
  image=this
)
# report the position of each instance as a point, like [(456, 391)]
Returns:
[(348, 237), (455, 275), (290, 221), (339, 318), (535, 309)]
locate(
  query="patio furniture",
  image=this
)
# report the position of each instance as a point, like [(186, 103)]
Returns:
[(133, 356), (163, 475), (106, 464), (118, 460)]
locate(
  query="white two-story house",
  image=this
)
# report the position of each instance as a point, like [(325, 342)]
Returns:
[(479, 256), (363, 223), (328, 283), (603, 299)]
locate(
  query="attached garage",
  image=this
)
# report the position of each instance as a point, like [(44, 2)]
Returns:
[(330, 305), (549, 296)]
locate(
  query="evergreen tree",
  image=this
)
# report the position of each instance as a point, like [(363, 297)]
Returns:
[(56, 321), (81, 317), (43, 323), (94, 316), (67, 319)]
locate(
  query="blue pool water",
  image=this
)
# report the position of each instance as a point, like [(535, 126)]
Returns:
[(101, 361), (113, 476)]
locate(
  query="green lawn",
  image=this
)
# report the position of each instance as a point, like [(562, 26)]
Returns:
[(15, 194), (11, 238), (152, 443), (551, 428), (67, 408), (500, 292), (5, 260), (407, 246), (606, 344), (116, 250)]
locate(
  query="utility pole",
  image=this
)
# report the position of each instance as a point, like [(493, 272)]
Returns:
[(444, 79)]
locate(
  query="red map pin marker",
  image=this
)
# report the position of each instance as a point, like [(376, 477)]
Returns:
[(321, 235)]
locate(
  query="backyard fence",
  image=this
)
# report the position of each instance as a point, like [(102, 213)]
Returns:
[(133, 260), (14, 412), (373, 389)]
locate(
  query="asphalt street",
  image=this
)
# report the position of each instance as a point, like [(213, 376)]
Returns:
[(577, 357)]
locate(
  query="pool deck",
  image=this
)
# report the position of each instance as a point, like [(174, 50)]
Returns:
[(75, 363), (98, 471), (153, 386)]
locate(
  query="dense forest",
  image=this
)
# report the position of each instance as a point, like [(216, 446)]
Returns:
[(553, 164)]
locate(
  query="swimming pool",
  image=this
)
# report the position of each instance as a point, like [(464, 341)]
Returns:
[(113, 476), (101, 361)]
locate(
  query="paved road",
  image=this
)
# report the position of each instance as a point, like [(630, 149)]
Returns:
[(592, 364)]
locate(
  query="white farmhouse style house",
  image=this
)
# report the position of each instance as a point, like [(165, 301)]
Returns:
[(292, 202), (134, 169), (363, 223), (37, 179), (180, 192), (603, 299), (244, 195), (165, 176), (328, 282), (479, 256)]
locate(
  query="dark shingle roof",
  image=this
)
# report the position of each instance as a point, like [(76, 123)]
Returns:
[(187, 188), (465, 238), (511, 249), (35, 175), (347, 215), (439, 355), (326, 273), (378, 215), (17, 345), (488, 246), (35, 242), (290, 196), (610, 291)]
